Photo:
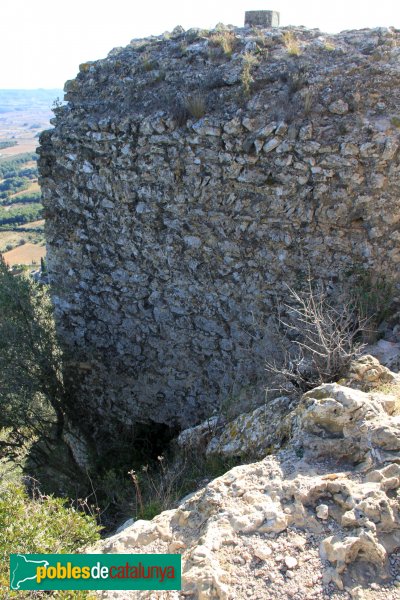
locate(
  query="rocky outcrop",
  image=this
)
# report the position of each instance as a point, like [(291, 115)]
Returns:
[(187, 180), (320, 519), (269, 427)]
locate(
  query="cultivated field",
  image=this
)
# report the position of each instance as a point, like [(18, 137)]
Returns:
[(28, 254), (23, 115), (33, 187)]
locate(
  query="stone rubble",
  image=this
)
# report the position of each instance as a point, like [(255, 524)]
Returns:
[(318, 520)]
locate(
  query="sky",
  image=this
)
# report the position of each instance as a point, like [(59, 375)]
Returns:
[(42, 42)]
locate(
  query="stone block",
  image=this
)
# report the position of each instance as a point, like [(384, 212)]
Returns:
[(261, 18)]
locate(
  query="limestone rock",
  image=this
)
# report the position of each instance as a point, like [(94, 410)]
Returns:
[(387, 353), (254, 433), (368, 371), (197, 437), (349, 424), (339, 107), (265, 526)]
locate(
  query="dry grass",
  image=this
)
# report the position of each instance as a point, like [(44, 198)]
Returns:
[(196, 105), (291, 43), (392, 389), (32, 224), (249, 61), (24, 145), (10, 239), (28, 254), (226, 40)]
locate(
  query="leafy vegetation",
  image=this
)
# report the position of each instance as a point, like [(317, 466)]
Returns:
[(23, 198), (7, 144), (20, 199), (11, 185), (39, 524), (24, 213), (372, 297), (11, 167), (31, 384), (31, 420)]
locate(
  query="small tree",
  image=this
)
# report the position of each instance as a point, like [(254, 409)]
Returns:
[(31, 385)]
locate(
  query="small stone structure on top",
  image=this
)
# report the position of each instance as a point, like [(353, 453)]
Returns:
[(261, 18)]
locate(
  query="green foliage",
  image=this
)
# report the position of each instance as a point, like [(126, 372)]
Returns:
[(373, 296), (26, 198), (395, 121), (39, 525), (7, 144), (160, 486), (151, 509), (16, 178), (18, 215), (12, 185), (30, 172), (11, 167), (31, 387)]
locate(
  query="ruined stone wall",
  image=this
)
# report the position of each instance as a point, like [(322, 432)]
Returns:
[(188, 179)]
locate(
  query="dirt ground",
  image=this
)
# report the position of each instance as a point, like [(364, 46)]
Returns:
[(28, 254)]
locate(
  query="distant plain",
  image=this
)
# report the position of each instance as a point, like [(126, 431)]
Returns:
[(24, 114)]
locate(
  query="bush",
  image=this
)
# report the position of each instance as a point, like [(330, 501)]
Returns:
[(373, 298), (39, 525), (31, 385), (161, 487), (318, 337)]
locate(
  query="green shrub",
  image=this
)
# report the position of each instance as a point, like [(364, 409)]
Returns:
[(373, 296), (21, 214), (40, 525), (32, 390)]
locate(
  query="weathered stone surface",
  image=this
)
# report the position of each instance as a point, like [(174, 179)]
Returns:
[(349, 424), (388, 353), (368, 373), (339, 107), (261, 18), (171, 233), (255, 433), (311, 526)]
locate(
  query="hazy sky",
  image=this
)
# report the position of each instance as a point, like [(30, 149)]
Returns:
[(42, 42)]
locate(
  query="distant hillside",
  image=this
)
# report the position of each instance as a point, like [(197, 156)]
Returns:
[(21, 100)]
